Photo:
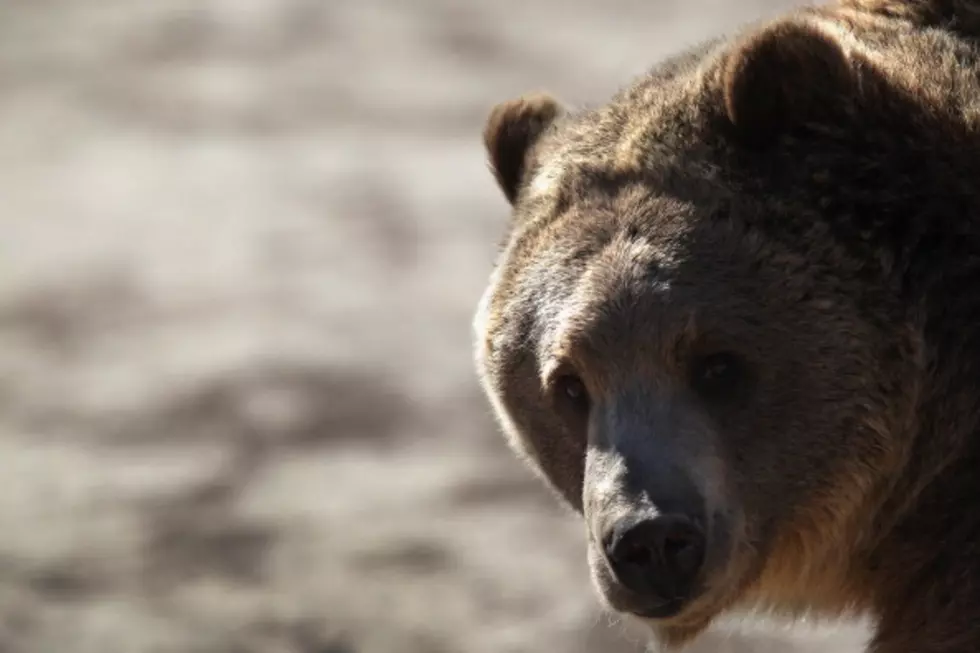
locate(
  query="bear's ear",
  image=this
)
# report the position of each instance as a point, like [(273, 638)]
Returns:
[(511, 130), (789, 73)]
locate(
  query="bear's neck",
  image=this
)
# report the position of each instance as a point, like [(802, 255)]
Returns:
[(924, 572), (925, 577)]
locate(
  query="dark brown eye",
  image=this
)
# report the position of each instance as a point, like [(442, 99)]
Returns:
[(571, 392), (718, 377)]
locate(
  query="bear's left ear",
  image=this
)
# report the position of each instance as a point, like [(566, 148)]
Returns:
[(788, 73), (511, 130)]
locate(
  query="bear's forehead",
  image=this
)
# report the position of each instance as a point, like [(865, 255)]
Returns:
[(652, 124), (656, 131)]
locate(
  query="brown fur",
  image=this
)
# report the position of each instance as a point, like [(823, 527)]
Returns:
[(804, 196)]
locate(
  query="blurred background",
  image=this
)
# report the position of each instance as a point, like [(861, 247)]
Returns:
[(242, 241)]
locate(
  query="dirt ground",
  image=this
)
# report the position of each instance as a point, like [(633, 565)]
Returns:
[(242, 242)]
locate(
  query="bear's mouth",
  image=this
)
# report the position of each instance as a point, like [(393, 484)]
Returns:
[(626, 602), (661, 610)]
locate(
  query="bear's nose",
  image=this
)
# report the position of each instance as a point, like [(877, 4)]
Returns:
[(657, 559)]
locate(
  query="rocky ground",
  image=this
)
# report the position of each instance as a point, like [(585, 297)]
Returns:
[(242, 241)]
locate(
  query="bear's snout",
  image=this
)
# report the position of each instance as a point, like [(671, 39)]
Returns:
[(652, 505)]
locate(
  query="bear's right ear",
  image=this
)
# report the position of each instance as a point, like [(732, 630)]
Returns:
[(788, 73), (511, 130)]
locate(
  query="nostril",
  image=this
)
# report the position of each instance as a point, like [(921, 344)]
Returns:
[(633, 552), (682, 546), (674, 544)]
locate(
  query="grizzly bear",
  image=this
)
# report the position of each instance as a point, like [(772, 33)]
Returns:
[(735, 323)]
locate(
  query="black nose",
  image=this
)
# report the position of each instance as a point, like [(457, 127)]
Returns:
[(657, 558)]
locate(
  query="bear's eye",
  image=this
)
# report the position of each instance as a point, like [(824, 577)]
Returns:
[(718, 376), (571, 395)]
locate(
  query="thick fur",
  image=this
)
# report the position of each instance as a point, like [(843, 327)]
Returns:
[(806, 194)]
